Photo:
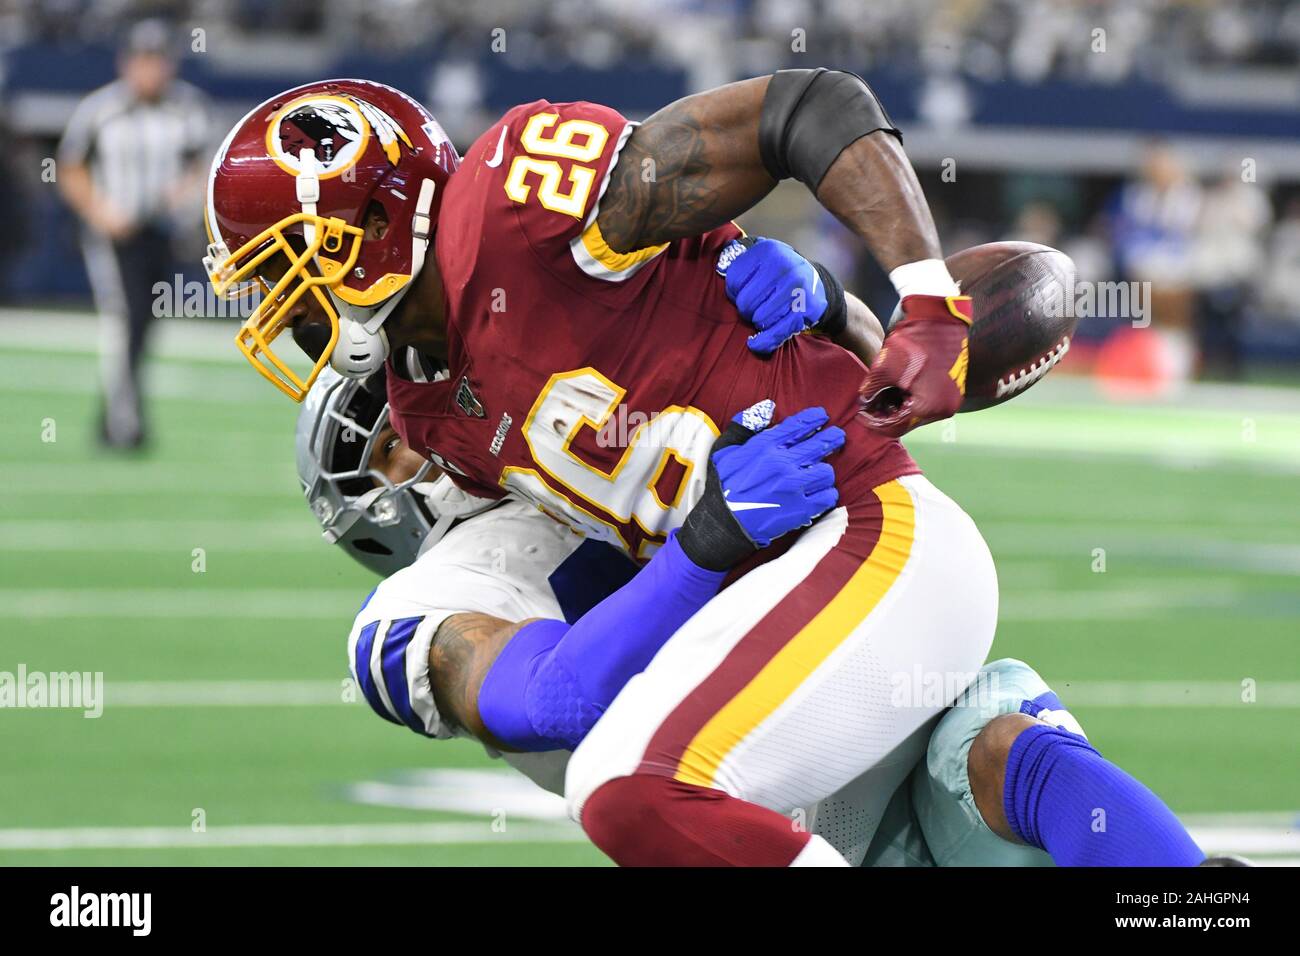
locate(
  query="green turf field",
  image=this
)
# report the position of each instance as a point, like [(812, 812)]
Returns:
[(223, 687)]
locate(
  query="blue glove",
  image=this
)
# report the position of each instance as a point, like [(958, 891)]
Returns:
[(777, 482), (780, 292), (761, 486)]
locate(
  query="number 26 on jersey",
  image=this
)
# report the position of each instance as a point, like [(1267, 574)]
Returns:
[(539, 174)]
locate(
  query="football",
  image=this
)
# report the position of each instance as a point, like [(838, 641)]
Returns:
[(1023, 325)]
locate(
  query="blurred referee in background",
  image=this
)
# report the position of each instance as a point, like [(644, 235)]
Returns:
[(131, 157)]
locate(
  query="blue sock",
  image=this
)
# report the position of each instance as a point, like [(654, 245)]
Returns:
[(1061, 796)]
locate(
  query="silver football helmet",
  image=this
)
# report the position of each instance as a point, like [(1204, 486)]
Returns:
[(384, 526)]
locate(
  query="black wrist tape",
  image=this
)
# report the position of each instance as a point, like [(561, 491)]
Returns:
[(836, 316), (809, 117), (711, 536)]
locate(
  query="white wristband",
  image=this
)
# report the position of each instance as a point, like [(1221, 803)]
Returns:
[(924, 277)]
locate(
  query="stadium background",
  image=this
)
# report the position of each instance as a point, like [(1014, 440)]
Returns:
[(1142, 503)]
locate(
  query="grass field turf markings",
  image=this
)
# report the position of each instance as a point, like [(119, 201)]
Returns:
[(1177, 496)]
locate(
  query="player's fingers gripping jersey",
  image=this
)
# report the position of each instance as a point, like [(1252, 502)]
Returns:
[(589, 382)]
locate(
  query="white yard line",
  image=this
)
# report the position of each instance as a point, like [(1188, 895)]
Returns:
[(162, 535), (1174, 436), (1248, 841), (77, 333), (1110, 604), (196, 361), (1082, 695), (1142, 547), (195, 600), (275, 835), (1269, 845), (1283, 819), (339, 605), (1125, 545), (1267, 695), (165, 376), (226, 693), (194, 482), (161, 381)]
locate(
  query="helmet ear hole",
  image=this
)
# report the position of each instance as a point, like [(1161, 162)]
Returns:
[(376, 222), (370, 546)]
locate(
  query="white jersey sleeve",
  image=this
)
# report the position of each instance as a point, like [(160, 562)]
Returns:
[(511, 562)]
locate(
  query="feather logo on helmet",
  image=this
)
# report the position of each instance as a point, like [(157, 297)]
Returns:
[(336, 129)]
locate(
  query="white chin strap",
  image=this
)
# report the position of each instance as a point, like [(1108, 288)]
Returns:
[(449, 504), (359, 353), (445, 497), (363, 347)]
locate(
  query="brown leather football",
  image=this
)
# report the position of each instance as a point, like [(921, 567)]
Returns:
[(1023, 322)]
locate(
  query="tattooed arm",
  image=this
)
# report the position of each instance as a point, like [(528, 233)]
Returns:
[(463, 651), (696, 164)]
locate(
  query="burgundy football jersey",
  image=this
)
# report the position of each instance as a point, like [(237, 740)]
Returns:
[(589, 382)]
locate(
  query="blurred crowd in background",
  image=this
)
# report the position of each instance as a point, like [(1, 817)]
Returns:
[(1133, 134), (1030, 39)]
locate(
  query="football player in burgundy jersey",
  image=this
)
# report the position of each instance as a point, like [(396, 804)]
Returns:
[(562, 281)]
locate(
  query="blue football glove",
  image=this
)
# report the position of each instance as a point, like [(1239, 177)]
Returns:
[(780, 292), (762, 483)]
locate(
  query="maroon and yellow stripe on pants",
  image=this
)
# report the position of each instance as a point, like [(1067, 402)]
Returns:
[(773, 659)]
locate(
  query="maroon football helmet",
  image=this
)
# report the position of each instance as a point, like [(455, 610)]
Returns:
[(297, 177)]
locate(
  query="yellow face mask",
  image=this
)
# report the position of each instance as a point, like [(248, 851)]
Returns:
[(332, 249)]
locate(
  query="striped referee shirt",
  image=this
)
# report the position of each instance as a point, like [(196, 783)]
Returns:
[(137, 150)]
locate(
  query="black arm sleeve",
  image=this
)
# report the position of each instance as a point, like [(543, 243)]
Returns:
[(809, 117)]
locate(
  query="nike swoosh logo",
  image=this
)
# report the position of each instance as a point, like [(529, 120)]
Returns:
[(501, 149), (745, 505), (816, 276)]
